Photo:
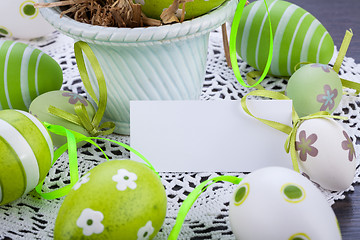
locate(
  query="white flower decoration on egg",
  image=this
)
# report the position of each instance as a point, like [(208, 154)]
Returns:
[(90, 222), (145, 232), (81, 181), (125, 179)]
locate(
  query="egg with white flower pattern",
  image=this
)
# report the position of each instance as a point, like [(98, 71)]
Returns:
[(118, 199), (26, 154), (279, 203), (25, 73), (20, 19), (313, 88), (326, 153)]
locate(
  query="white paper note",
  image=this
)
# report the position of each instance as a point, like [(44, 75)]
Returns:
[(208, 136)]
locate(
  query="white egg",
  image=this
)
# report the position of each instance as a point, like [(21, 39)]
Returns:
[(326, 153), (19, 19), (280, 204)]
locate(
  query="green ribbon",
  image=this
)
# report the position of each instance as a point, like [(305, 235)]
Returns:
[(191, 198), (73, 164), (81, 117), (343, 49), (290, 143), (232, 45), (340, 58), (73, 138), (251, 76)]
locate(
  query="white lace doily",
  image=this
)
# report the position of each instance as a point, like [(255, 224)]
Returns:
[(32, 217)]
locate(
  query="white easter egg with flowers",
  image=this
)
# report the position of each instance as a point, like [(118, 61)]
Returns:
[(20, 19), (326, 153)]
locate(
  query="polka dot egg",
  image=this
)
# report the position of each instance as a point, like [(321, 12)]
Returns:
[(322, 146), (26, 154), (25, 73), (154, 8), (298, 37), (279, 203), (116, 198), (19, 19)]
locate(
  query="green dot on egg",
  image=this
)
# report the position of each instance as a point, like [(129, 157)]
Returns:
[(241, 194), (299, 236), (89, 222), (293, 192), (3, 31), (29, 10)]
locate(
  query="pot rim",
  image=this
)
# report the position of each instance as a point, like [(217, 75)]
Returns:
[(142, 35)]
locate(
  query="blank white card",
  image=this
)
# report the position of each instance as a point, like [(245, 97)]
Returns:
[(209, 136)]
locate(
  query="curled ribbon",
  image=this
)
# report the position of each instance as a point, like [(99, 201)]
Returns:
[(72, 139), (253, 75), (232, 44), (82, 118), (191, 198), (290, 144)]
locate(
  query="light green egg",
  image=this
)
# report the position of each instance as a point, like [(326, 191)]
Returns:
[(65, 101), (118, 199), (298, 37), (26, 154), (154, 8), (25, 73), (313, 88)]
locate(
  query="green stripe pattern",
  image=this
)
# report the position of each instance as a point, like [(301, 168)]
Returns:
[(298, 37), (20, 173), (25, 73)]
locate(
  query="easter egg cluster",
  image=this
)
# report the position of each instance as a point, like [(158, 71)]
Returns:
[(125, 199)]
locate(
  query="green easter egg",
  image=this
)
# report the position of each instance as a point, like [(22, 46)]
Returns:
[(25, 73), (154, 8), (65, 101), (118, 199), (298, 37), (26, 154), (313, 88)]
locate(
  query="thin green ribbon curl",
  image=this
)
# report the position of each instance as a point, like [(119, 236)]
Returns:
[(82, 117), (191, 198), (290, 143), (73, 164), (73, 138), (232, 45), (251, 76)]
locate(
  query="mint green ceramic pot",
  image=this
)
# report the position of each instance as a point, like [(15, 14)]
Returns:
[(154, 63)]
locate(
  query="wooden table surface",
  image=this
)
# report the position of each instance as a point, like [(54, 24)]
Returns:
[(337, 17)]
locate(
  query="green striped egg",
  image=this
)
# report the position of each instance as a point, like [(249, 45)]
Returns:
[(298, 37), (25, 73), (26, 154)]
